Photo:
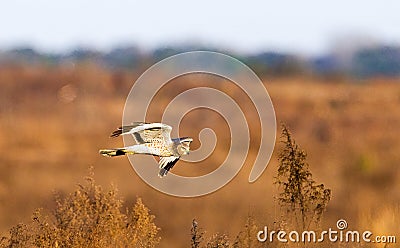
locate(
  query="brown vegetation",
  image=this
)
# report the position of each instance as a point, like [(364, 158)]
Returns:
[(53, 120), (88, 217), (303, 200)]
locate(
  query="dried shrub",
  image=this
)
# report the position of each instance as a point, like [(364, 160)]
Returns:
[(218, 241), (88, 217), (215, 241), (248, 236), (196, 234), (302, 198)]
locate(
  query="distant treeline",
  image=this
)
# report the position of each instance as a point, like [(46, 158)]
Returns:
[(376, 61)]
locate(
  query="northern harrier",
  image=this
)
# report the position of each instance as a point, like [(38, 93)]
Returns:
[(152, 139)]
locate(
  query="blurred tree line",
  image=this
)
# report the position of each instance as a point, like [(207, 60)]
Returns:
[(375, 61)]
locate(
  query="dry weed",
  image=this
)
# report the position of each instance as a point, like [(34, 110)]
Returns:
[(88, 217)]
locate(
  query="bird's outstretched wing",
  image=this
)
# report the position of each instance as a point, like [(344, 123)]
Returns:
[(166, 163), (146, 132)]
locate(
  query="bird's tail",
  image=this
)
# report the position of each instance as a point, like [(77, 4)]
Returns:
[(115, 152)]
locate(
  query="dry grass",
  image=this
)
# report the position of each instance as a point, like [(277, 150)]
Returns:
[(88, 217), (49, 138)]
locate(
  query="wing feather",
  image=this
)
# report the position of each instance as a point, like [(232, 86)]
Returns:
[(125, 129), (166, 163), (145, 132)]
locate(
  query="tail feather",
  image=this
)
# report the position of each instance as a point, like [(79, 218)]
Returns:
[(115, 152)]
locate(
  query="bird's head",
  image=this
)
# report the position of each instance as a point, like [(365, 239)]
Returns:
[(184, 145)]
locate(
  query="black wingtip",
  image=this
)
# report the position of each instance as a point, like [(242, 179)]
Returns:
[(116, 133), (162, 172)]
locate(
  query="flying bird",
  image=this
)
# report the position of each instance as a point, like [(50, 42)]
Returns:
[(152, 139)]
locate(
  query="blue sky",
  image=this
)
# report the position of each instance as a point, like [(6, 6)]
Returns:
[(307, 26)]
